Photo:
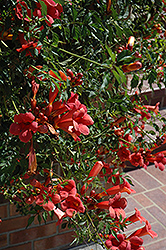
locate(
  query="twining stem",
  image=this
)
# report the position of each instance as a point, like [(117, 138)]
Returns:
[(77, 224), (78, 56), (62, 169), (84, 58), (144, 132), (15, 106), (91, 221), (81, 57)]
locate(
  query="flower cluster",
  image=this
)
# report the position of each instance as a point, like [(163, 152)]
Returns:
[(24, 126), (70, 116), (133, 241), (54, 11), (65, 194)]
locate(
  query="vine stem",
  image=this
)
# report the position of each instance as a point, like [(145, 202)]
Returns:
[(84, 58), (91, 221), (76, 223), (81, 57), (15, 106), (78, 56), (144, 132)]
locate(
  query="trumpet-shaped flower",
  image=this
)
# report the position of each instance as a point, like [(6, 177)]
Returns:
[(75, 121), (24, 126), (29, 47), (136, 159), (130, 42), (6, 35), (54, 11), (116, 189), (160, 161), (72, 204), (66, 188), (95, 170), (122, 243), (136, 217), (155, 108), (144, 231), (19, 13), (115, 206), (124, 154)]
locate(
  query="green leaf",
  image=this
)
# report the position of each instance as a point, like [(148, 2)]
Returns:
[(122, 75), (117, 76), (59, 1), (74, 14), (30, 220), (152, 77), (113, 179), (45, 215), (64, 225), (55, 38), (123, 55), (134, 81), (39, 218), (105, 83), (42, 34), (112, 55), (119, 30), (164, 69), (76, 32), (114, 234), (44, 8)]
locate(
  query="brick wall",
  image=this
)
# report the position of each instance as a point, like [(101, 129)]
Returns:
[(15, 236)]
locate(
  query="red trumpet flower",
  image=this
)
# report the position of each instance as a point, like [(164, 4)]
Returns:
[(19, 12), (95, 170), (24, 126), (114, 190), (144, 231), (28, 46), (75, 121), (71, 205), (115, 206), (136, 217)]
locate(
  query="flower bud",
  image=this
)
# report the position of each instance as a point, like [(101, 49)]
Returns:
[(70, 73), (132, 66), (48, 110), (130, 42), (33, 104)]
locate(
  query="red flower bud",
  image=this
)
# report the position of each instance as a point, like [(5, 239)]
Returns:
[(83, 190), (132, 66), (48, 110), (130, 42), (33, 104), (70, 73), (79, 75)]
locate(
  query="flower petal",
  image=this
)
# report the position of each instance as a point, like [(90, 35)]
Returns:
[(83, 129), (25, 135), (34, 127), (15, 129), (49, 206), (28, 117)]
